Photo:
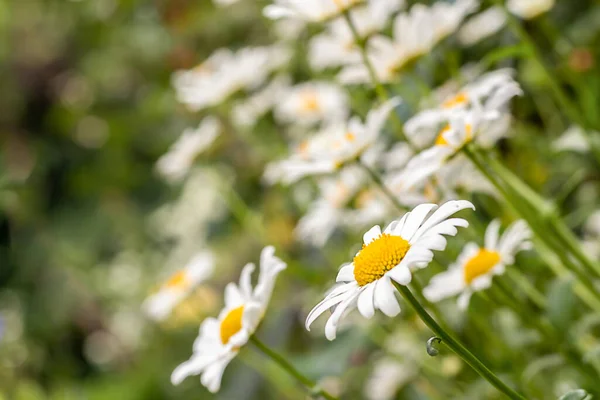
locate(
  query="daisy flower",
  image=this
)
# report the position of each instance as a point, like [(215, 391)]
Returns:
[(405, 244), (309, 103), (332, 148), (160, 304), (308, 10), (489, 93), (476, 266), (337, 45), (415, 33), (225, 72), (481, 26), (220, 339), (176, 163), (528, 9)]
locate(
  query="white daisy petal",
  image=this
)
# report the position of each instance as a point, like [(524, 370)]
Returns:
[(385, 299), (332, 322), (491, 234), (365, 302), (415, 219), (372, 234), (400, 274), (346, 273), (445, 210)]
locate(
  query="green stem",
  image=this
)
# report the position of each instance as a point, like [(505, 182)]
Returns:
[(379, 89), (456, 346), (531, 291), (314, 389)]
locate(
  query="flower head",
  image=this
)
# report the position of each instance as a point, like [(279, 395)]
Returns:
[(476, 266), (225, 72), (332, 148), (415, 33), (337, 45), (312, 102), (159, 305), (221, 338), (405, 244)]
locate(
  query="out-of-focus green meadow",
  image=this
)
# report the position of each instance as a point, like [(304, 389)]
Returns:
[(89, 228)]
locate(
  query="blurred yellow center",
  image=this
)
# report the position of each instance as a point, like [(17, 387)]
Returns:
[(378, 257), (177, 281), (231, 324), (310, 102), (480, 264), (350, 136), (457, 100)]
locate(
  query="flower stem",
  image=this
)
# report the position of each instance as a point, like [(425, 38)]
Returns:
[(456, 346), (314, 389)]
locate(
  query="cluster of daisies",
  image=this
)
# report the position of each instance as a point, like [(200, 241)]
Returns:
[(364, 167)]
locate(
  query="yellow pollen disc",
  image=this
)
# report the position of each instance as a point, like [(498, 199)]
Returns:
[(378, 257), (480, 264), (350, 136), (457, 100), (303, 147), (177, 281), (441, 140), (310, 102), (231, 324)]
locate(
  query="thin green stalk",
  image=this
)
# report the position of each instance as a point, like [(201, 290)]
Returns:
[(379, 89), (314, 389), (456, 346)]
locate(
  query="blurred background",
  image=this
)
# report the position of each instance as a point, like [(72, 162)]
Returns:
[(88, 227)]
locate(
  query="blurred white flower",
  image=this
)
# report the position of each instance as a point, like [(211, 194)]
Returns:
[(476, 266), (159, 305), (226, 72), (415, 33), (528, 9), (481, 26), (224, 3), (221, 338), (332, 148), (308, 10), (337, 46), (489, 93), (176, 163), (405, 244), (247, 112), (309, 103)]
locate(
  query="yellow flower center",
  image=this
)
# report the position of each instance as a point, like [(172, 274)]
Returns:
[(178, 280), (231, 324), (350, 136), (480, 264), (378, 257), (310, 101), (459, 99)]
